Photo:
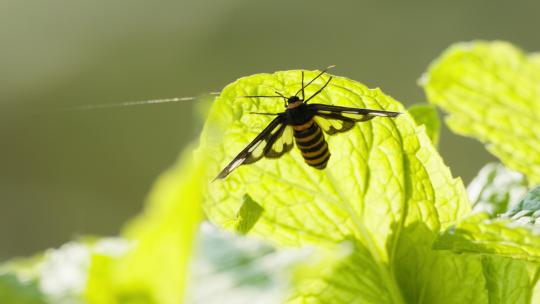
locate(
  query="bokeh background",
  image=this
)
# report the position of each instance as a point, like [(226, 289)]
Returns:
[(65, 173)]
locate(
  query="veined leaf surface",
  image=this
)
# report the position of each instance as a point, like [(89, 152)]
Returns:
[(491, 92), (385, 187)]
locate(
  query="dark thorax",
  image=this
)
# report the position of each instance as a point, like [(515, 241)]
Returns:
[(298, 113)]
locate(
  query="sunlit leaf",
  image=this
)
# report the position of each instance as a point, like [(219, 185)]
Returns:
[(57, 275), (385, 188), (491, 92), (372, 217), (508, 251), (155, 270), (527, 211), (496, 189), (14, 291), (425, 114), (228, 268), (514, 234), (248, 215), (496, 194), (346, 274), (510, 281)]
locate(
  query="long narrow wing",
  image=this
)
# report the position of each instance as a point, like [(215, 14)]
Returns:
[(280, 142), (262, 145), (335, 119)]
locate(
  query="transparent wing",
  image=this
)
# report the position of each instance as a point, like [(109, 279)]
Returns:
[(332, 125), (335, 119), (272, 146), (257, 147), (282, 143), (357, 114)]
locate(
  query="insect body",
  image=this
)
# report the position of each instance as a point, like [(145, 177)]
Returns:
[(304, 124), (308, 136), (310, 140)]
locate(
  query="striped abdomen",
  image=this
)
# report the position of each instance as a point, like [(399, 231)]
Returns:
[(310, 140)]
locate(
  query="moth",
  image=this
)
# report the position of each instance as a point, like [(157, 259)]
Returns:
[(302, 123)]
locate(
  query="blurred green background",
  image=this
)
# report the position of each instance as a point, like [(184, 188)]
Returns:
[(66, 173)]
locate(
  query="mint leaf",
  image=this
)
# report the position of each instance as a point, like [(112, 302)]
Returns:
[(510, 269), (385, 187), (426, 114), (57, 275), (14, 291), (228, 268), (514, 234), (490, 91), (334, 276), (248, 215), (151, 266), (496, 189), (510, 281), (494, 192), (154, 270), (479, 233), (528, 210)]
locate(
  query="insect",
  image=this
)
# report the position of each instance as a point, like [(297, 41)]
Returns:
[(304, 124)]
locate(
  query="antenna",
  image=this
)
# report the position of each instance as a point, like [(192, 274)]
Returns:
[(312, 80)]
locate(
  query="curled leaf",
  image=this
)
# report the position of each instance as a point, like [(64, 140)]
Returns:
[(491, 91)]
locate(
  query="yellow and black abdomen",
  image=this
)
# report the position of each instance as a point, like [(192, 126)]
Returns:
[(310, 140)]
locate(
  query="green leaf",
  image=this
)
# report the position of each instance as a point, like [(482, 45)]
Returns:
[(496, 189), (334, 276), (426, 114), (510, 281), (248, 215), (528, 210), (154, 271), (479, 233), (385, 187), (514, 234), (14, 291), (57, 275), (510, 270), (490, 91), (228, 268)]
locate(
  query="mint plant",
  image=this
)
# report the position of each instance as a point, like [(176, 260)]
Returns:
[(385, 222), (491, 92)]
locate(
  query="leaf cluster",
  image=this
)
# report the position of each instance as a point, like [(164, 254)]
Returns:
[(385, 222)]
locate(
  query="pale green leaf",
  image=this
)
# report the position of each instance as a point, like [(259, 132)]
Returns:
[(480, 233), (510, 281), (528, 210), (510, 268), (59, 275), (228, 268), (334, 278), (496, 189), (426, 114), (385, 187), (15, 291), (514, 234), (491, 91), (154, 271), (248, 215)]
